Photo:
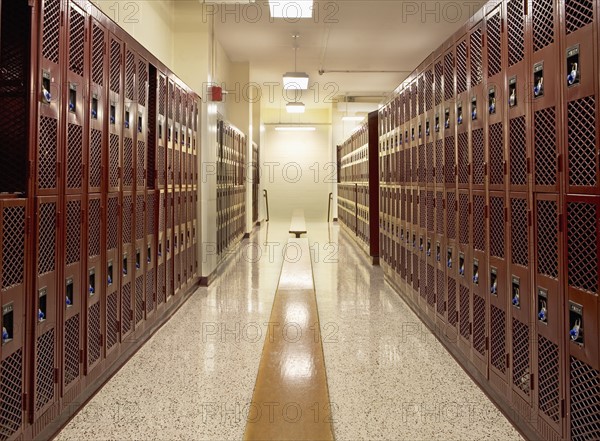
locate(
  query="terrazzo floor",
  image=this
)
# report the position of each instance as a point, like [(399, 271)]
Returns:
[(388, 377)]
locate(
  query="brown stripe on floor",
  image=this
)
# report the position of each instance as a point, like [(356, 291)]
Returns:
[(291, 398)]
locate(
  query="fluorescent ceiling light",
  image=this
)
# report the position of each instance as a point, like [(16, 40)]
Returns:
[(291, 9), (295, 129), (353, 118), (295, 80), (295, 107)]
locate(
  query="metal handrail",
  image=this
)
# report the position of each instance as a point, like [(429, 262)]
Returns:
[(329, 207), (266, 195)]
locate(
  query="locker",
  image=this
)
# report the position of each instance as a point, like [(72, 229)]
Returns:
[(120, 142), (13, 277), (113, 272), (127, 263), (93, 287), (479, 282)]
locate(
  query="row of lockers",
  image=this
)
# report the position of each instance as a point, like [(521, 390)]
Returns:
[(98, 212), (489, 226), (358, 184), (516, 88), (231, 186)]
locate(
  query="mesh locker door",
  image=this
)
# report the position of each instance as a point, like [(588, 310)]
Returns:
[(45, 348), (128, 262), (13, 242), (582, 150), (584, 406), (494, 59), (161, 148), (113, 273), (94, 278), (119, 158)]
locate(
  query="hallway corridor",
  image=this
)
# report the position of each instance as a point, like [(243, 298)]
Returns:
[(388, 377)]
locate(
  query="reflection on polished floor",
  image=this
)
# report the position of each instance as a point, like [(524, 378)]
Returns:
[(388, 377)]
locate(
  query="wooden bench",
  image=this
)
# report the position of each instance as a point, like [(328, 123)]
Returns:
[(291, 375), (298, 225)]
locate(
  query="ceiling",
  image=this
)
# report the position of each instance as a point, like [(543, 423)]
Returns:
[(345, 35)]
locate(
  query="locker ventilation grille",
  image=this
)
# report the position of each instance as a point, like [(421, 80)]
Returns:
[(51, 32), (161, 213), (98, 55), (47, 238), (494, 43), (150, 222), (415, 206), (415, 273), (161, 284), (73, 244), (422, 209), (413, 100), (76, 42), (112, 223), (94, 227), (478, 157), (441, 292), (74, 156), (465, 311), (451, 214), (463, 202), (439, 71), (450, 160), (126, 308), (47, 153), (160, 165), (547, 238), (585, 407), (439, 161), (71, 368), (430, 286), (439, 203), (127, 162), (127, 213), (461, 67), (421, 96), (463, 158), (448, 76), (548, 378), (520, 354), (139, 299), (479, 325), (112, 331), (130, 76), (430, 210), (429, 162), (11, 393), (115, 66), (582, 142), (498, 339), (141, 163), (543, 23), (497, 222), (518, 151), (496, 146), (44, 370), (13, 246), (452, 302), (150, 291), (95, 158), (139, 217), (545, 146), (519, 233), (479, 222), (94, 334), (583, 254), (114, 161), (169, 211), (476, 57), (162, 95), (516, 31), (578, 13), (142, 82), (428, 90), (422, 170)]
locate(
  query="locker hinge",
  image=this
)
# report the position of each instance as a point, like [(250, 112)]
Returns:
[(470, 208), (507, 361), (505, 164), (487, 343), (529, 218), (56, 375), (526, 8), (62, 19), (433, 203), (505, 214), (532, 381), (563, 408), (444, 204), (104, 48), (433, 172), (528, 166), (101, 340), (486, 212), (456, 318), (455, 205), (470, 328), (131, 314), (29, 169), (118, 324), (485, 169), (28, 225), (560, 163), (154, 297), (455, 170), (81, 356), (82, 217), (57, 220), (144, 305), (470, 169), (502, 25), (24, 401)]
